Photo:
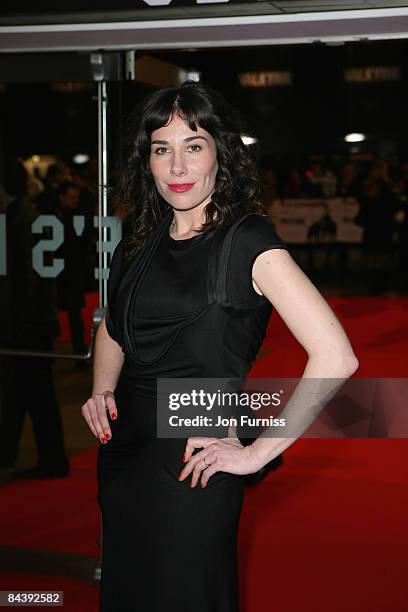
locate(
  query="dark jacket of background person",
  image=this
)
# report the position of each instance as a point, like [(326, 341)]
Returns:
[(76, 251), (34, 312), (47, 200), (378, 206), (349, 181), (88, 206)]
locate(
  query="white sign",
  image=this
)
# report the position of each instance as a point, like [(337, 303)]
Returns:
[(316, 221)]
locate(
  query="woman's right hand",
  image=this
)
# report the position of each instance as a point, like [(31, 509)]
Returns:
[(95, 411)]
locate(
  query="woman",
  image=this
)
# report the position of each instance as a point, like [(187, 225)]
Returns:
[(188, 298)]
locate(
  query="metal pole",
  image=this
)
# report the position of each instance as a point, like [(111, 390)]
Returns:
[(97, 62), (102, 191)]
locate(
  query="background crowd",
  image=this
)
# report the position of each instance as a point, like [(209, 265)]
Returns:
[(380, 187)]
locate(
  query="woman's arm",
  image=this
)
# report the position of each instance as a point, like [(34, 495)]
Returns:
[(306, 313), (108, 361), (310, 319), (107, 365)]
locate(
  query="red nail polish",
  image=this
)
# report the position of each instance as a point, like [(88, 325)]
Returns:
[(184, 458), (107, 437), (103, 440), (114, 415)]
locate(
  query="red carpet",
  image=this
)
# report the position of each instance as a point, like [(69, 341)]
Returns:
[(57, 516), (57, 510), (326, 532)]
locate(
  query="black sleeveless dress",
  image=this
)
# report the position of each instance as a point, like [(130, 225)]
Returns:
[(182, 308)]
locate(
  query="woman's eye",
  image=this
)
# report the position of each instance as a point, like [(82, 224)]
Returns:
[(160, 150), (194, 148)]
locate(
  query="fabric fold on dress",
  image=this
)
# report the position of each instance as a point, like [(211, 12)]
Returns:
[(155, 335)]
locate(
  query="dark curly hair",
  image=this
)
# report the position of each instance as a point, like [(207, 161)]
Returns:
[(237, 185)]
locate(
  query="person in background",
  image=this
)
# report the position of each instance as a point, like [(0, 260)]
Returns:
[(88, 206), (269, 187), (348, 180), (400, 189), (378, 206), (87, 199), (47, 199), (32, 325), (75, 250), (320, 181), (294, 187)]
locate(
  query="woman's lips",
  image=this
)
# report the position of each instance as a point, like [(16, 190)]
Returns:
[(181, 187)]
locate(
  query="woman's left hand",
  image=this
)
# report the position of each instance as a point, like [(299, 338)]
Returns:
[(220, 455)]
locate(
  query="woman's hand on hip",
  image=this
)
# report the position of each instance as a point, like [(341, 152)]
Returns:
[(220, 455), (95, 411)]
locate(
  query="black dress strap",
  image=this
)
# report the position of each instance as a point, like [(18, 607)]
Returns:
[(218, 264), (213, 263)]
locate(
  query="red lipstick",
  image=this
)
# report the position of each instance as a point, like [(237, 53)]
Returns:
[(180, 187)]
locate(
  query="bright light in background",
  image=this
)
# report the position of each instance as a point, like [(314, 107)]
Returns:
[(38, 164), (355, 137), (193, 75), (248, 140), (80, 158), (189, 75)]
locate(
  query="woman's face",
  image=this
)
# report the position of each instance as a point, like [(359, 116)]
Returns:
[(183, 164)]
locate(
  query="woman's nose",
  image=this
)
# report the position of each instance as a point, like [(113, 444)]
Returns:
[(178, 165)]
